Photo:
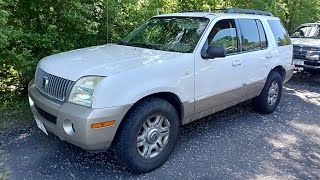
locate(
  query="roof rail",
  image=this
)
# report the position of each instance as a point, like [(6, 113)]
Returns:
[(248, 11), (209, 10), (186, 11)]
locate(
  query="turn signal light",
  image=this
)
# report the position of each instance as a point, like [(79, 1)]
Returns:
[(103, 124)]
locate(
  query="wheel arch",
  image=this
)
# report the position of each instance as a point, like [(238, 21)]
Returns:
[(281, 70), (172, 98)]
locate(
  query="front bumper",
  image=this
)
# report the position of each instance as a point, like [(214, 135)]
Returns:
[(73, 122), (307, 65)]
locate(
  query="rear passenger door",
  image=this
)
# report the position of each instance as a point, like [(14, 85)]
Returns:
[(254, 43)]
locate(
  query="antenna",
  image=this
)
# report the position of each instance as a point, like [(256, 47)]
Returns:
[(107, 22)]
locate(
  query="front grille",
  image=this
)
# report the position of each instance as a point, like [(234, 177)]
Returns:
[(312, 63), (53, 86), (47, 116), (300, 52)]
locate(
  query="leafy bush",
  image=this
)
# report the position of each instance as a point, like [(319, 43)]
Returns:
[(33, 29)]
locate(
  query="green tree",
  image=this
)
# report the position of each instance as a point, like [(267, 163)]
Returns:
[(33, 29)]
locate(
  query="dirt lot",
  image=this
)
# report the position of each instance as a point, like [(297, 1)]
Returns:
[(234, 144)]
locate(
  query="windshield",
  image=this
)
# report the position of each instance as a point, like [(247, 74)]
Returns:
[(178, 34), (307, 32)]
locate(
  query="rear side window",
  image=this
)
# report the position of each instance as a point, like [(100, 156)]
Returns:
[(252, 35), (280, 34)]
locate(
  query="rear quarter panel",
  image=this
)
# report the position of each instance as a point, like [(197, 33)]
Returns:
[(282, 55)]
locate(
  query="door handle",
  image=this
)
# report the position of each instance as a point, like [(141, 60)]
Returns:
[(236, 63), (269, 56)]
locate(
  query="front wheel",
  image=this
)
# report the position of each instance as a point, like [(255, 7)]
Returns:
[(269, 98), (148, 135), (313, 73)]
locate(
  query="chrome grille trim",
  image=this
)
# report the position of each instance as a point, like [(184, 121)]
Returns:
[(56, 87)]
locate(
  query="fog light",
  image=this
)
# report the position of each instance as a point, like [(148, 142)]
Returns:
[(68, 127)]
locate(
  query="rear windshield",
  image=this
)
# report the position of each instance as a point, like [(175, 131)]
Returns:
[(279, 32)]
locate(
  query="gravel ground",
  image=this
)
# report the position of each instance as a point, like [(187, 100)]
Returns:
[(234, 144)]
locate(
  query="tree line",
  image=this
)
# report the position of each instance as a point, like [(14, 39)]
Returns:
[(33, 29)]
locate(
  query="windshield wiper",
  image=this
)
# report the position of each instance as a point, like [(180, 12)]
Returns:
[(142, 45), (122, 43)]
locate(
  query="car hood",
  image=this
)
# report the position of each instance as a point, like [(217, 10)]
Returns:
[(104, 60), (306, 42)]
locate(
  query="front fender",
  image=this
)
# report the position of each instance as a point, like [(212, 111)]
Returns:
[(131, 86)]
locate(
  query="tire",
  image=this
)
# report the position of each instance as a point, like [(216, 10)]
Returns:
[(313, 73), (135, 125), (264, 103)]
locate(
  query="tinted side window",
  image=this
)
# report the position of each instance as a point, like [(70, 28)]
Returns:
[(280, 34), (249, 35), (224, 34), (262, 33)]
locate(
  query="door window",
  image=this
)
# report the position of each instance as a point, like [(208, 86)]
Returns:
[(263, 37), (251, 39), (224, 34)]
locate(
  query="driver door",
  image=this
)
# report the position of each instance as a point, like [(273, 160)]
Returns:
[(219, 81)]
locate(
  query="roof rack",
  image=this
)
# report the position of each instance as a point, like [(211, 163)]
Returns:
[(209, 10), (248, 11)]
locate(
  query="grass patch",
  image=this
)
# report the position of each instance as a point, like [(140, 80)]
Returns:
[(15, 115), (4, 174)]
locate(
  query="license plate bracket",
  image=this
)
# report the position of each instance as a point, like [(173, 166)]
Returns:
[(298, 62), (41, 126)]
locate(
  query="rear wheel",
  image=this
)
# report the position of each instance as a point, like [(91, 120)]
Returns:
[(148, 135), (269, 99)]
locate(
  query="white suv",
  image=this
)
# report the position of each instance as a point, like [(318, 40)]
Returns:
[(174, 69)]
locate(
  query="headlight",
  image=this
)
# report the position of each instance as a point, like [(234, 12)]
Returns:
[(83, 90)]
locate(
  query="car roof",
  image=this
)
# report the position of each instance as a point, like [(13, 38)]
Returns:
[(310, 24), (214, 15)]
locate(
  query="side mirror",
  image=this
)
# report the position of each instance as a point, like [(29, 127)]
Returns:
[(214, 52)]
